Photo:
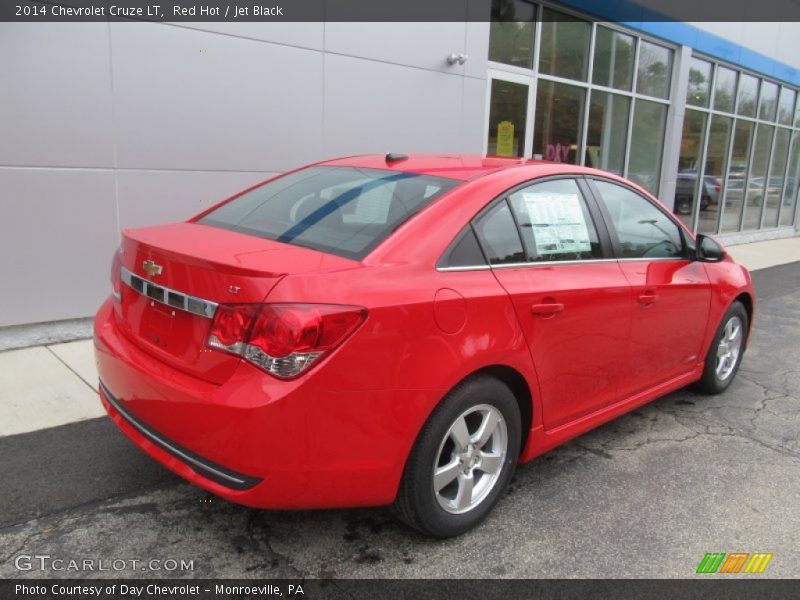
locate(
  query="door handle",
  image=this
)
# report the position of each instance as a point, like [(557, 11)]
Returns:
[(647, 298), (549, 309)]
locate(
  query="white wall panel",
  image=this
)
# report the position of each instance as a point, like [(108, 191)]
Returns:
[(177, 117), (155, 197), (378, 107), (59, 233), (55, 95), (303, 35), (472, 115), (423, 45), (186, 99), (477, 48)]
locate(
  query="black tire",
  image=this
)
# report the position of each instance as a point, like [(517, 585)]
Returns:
[(711, 383), (417, 503)]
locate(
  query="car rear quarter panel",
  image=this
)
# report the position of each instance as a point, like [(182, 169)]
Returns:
[(398, 366)]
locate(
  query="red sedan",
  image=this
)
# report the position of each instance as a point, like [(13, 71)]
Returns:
[(404, 330)]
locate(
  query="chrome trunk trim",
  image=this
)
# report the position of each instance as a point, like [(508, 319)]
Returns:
[(168, 296)]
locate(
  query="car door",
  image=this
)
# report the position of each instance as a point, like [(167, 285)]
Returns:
[(548, 248), (671, 293)]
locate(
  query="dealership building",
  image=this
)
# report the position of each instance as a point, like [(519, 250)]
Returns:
[(105, 126)]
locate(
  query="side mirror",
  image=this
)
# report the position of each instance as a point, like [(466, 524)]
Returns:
[(708, 249)]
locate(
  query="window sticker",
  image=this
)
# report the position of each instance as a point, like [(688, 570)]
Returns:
[(559, 225)]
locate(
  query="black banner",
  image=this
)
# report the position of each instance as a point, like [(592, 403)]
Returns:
[(411, 589), (385, 10)]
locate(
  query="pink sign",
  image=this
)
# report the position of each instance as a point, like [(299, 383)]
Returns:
[(557, 153)]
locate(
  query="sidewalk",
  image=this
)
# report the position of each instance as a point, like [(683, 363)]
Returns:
[(760, 255), (50, 385)]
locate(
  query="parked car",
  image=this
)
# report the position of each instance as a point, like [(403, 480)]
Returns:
[(755, 189), (685, 190), (392, 330)]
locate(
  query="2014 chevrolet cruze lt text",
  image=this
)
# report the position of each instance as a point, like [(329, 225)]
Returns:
[(404, 330)]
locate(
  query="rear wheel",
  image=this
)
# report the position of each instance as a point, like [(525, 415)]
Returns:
[(462, 460), (726, 351)]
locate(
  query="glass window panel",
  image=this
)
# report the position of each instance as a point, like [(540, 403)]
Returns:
[(554, 222), (507, 117), (776, 173), (511, 32), (608, 126), (613, 59), (792, 179), (686, 185), (737, 170), (756, 184), (499, 236), (564, 49), (647, 142), (748, 95), (655, 70), (464, 251), (643, 230), (719, 137), (797, 115), (699, 88), (786, 106), (345, 211), (557, 128), (769, 101), (725, 89)]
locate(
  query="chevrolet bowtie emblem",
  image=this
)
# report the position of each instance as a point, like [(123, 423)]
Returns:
[(152, 268)]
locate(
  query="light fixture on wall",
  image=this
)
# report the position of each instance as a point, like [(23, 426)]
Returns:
[(454, 58)]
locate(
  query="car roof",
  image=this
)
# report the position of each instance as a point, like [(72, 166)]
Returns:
[(454, 166)]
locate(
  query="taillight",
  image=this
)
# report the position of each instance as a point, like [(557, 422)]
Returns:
[(115, 273), (283, 339)]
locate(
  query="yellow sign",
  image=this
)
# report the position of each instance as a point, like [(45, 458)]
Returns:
[(505, 138)]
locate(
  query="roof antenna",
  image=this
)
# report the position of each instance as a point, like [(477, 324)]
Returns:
[(395, 156)]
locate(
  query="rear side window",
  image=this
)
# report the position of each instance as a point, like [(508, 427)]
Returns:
[(464, 251), (498, 235), (554, 222), (643, 230), (345, 211)]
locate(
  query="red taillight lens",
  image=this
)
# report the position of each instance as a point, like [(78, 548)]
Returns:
[(285, 329), (232, 324), (283, 339)]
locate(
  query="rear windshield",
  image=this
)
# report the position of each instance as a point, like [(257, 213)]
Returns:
[(345, 211)]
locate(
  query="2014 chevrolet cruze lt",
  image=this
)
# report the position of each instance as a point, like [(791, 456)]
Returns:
[(404, 330)]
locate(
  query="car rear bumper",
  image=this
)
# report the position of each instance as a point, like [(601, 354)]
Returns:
[(256, 440), (200, 465)]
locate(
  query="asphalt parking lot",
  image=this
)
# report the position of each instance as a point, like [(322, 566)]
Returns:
[(646, 495)]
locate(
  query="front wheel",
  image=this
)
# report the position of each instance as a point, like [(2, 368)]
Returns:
[(462, 460), (726, 351)]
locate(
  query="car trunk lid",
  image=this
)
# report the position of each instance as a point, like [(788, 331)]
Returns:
[(174, 276)]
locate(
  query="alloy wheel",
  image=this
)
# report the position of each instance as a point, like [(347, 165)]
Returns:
[(729, 348), (470, 459)]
